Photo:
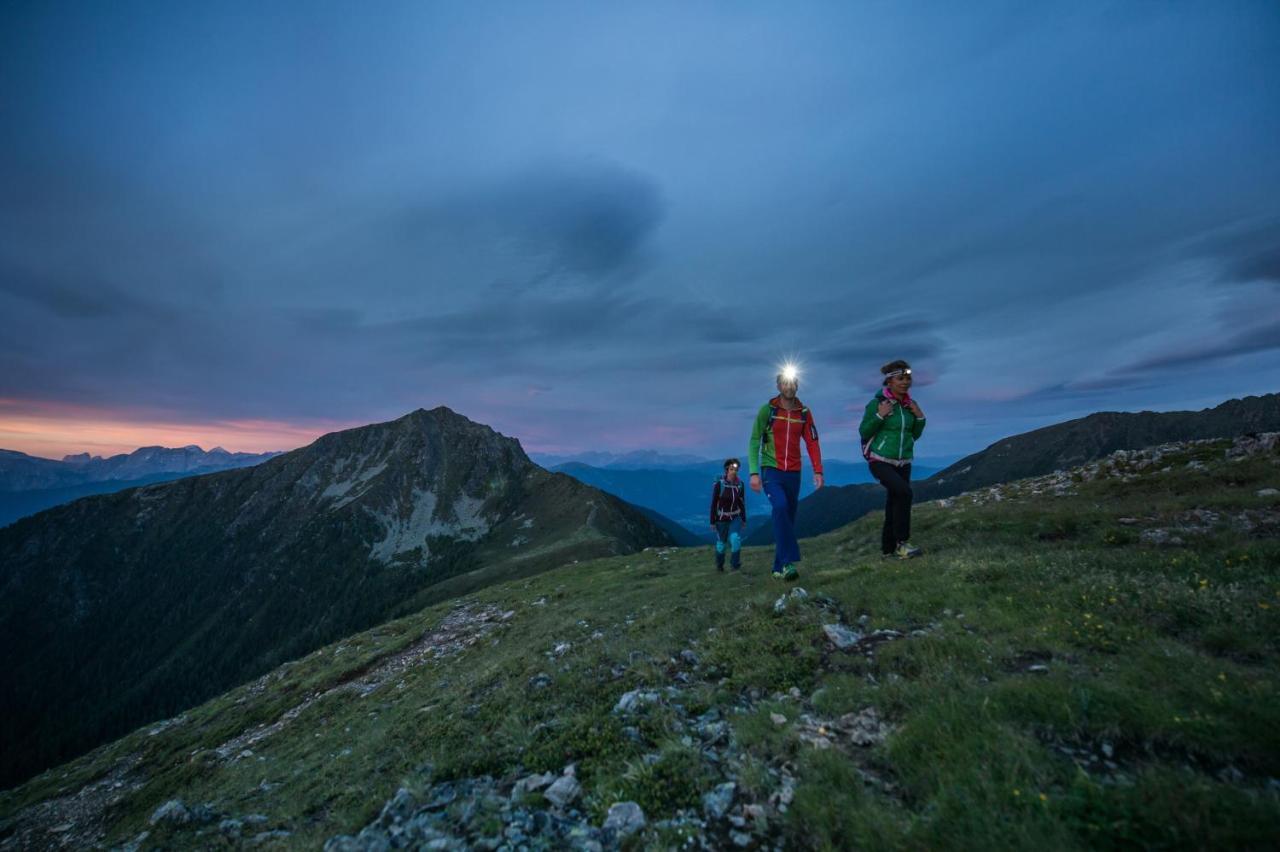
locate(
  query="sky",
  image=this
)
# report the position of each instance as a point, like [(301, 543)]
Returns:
[(601, 226)]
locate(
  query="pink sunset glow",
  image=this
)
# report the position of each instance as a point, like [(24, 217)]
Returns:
[(53, 430)]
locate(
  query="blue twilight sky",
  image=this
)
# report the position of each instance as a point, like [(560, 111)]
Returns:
[(599, 226)]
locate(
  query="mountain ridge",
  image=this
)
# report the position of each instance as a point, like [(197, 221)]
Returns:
[(22, 472), (186, 586)]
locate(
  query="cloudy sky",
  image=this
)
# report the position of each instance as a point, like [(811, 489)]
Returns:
[(599, 226)]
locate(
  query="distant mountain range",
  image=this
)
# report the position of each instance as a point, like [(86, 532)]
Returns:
[(634, 460), (1041, 451), (123, 608), (29, 484)]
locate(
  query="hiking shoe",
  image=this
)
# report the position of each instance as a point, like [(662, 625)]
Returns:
[(790, 573), (777, 575), (906, 550)]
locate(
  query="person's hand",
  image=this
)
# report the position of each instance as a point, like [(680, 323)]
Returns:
[(915, 409), (884, 409), (817, 480), (755, 482)]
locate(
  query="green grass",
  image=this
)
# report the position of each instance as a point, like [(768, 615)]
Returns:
[(1164, 656)]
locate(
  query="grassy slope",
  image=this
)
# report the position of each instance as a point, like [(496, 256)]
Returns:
[(1164, 658)]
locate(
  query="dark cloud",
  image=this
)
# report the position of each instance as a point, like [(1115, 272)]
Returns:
[(66, 300), (1248, 253), (635, 214), (588, 220), (1249, 341)]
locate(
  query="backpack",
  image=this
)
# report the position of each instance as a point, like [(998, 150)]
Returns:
[(866, 447)]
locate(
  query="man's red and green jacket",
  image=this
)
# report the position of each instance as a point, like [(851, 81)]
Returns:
[(776, 436)]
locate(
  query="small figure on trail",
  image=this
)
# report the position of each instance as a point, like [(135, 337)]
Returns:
[(729, 515), (775, 451), (891, 425)]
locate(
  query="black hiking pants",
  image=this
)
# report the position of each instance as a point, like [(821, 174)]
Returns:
[(897, 504)]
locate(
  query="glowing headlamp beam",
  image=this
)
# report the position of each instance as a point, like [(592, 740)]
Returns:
[(790, 373)]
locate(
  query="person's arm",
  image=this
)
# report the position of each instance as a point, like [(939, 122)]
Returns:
[(871, 421), (715, 499), (757, 435), (810, 435), (917, 428)]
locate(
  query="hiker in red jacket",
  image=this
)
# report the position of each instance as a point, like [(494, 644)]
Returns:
[(729, 515), (780, 425)]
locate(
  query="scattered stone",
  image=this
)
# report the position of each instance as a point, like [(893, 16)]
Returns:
[(862, 729), (565, 789), (716, 803), (173, 812), (624, 819), (1231, 775), (740, 839), (1038, 668), (777, 718), (634, 700), (231, 827), (840, 636), (267, 836), (1159, 537), (798, 594), (529, 783), (561, 649), (398, 809), (1107, 751), (1267, 492), (540, 681), (689, 657), (713, 732)]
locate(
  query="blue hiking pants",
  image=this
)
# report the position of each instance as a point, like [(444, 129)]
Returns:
[(727, 537), (782, 487)]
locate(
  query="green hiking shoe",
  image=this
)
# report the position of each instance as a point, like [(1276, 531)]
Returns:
[(907, 551), (790, 573), (777, 575)]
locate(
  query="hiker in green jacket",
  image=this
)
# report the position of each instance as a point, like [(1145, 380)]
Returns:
[(891, 425)]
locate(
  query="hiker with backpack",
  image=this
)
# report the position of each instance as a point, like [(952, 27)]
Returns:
[(729, 515), (774, 458), (891, 425)]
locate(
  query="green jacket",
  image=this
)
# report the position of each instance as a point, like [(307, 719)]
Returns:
[(893, 437)]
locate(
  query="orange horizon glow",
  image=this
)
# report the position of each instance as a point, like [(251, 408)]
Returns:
[(54, 430)]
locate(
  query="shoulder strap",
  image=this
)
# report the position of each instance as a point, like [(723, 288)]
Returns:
[(773, 414)]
